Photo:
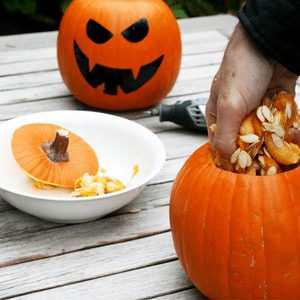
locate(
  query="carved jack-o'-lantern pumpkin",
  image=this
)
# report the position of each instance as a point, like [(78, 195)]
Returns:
[(119, 54)]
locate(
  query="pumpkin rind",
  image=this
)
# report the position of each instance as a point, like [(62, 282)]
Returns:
[(26, 147), (237, 236), (117, 53)]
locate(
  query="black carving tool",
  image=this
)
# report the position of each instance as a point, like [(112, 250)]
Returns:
[(189, 114)]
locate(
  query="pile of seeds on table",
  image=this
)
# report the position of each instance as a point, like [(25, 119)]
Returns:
[(264, 137)]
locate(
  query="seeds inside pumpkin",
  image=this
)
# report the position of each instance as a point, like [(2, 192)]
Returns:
[(263, 137), (267, 113), (250, 138)]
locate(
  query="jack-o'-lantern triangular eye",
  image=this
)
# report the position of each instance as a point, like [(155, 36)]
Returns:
[(136, 32), (97, 33)]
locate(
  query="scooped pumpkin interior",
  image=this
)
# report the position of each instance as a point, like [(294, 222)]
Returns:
[(53, 155), (264, 145)]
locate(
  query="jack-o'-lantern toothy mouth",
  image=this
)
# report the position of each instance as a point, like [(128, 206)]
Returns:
[(112, 77)]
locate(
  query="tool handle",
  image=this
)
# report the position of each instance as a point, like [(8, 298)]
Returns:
[(186, 113)]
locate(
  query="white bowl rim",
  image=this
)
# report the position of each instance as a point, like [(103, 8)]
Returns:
[(99, 197)]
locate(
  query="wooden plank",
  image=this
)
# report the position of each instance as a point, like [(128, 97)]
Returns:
[(26, 61), (28, 66), (192, 86), (184, 84), (169, 171), (201, 59), (32, 246), (182, 143), (38, 64), (141, 283), (202, 72), (223, 23), (34, 93), (4, 206), (24, 108), (190, 294), (181, 88), (86, 265), (203, 42), (27, 55), (15, 222), (28, 41), (29, 80)]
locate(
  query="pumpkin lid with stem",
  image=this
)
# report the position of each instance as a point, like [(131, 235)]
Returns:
[(53, 155)]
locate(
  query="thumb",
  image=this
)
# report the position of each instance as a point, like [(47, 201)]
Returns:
[(230, 115)]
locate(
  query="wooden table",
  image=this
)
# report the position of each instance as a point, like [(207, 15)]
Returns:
[(126, 255)]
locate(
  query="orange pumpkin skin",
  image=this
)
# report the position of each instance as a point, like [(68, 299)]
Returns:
[(112, 57), (237, 236), (26, 146)]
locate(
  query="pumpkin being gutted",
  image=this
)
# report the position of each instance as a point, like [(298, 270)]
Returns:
[(237, 236), (264, 137), (52, 155)]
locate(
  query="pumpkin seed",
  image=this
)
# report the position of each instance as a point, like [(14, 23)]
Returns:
[(261, 161), (250, 138), (295, 124), (288, 110), (270, 127), (273, 110), (277, 140), (271, 171), (243, 159), (254, 152), (259, 114), (249, 160), (267, 152), (278, 130), (262, 172), (277, 118), (267, 113), (234, 156)]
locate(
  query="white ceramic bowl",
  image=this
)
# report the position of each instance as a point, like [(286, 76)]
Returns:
[(120, 144)]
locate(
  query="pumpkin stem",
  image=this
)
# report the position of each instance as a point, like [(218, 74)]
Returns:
[(56, 149)]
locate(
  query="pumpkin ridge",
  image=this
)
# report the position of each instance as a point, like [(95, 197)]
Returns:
[(213, 205), (287, 247), (240, 258), (186, 227), (177, 190)]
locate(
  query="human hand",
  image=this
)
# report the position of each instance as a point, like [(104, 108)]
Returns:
[(245, 76)]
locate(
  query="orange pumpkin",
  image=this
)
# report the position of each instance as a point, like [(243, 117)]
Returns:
[(119, 54), (49, 154), (236, 235)]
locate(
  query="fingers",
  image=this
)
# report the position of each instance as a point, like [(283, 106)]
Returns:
[(231, 113), (236, 90), (245, 76)]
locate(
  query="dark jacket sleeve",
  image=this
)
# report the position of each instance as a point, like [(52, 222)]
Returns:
[(275, 26)]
